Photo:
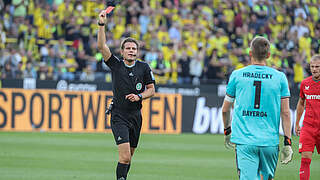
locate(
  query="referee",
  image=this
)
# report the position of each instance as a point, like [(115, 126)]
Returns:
[(132, 81)]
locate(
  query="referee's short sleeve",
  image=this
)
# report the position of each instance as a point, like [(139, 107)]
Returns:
[(148, 77), (112, 62)]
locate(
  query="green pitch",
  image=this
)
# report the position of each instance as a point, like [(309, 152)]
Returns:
[(63, 156)]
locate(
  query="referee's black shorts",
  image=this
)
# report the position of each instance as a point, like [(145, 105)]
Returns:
[(126, 126)]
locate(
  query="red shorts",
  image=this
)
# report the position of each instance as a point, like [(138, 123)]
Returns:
[(309, 137)]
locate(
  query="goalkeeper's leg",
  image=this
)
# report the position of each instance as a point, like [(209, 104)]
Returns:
[(268, 161), (247, 158)]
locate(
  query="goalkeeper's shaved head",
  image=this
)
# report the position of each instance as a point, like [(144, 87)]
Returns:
[(260, 48)]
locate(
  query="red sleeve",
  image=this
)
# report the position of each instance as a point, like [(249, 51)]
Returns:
[(301, 90)]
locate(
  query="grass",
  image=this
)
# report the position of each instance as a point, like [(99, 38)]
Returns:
[(68, 156)]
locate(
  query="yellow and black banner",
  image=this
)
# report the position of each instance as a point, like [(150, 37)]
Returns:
[(74, 111)]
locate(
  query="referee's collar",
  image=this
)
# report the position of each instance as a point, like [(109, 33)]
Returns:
[(129, 66)]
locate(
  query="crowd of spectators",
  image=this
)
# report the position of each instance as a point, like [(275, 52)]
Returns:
[(184, 41)]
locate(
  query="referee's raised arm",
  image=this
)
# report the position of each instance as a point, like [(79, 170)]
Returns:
[(102, 46)]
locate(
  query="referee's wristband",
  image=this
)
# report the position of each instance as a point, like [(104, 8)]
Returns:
[(287, 141), (140, 96), (101, 24), (227, 131)]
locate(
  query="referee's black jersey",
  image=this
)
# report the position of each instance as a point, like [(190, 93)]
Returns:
[(127, 80)]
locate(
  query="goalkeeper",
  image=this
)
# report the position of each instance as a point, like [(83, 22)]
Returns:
[(260, 96)]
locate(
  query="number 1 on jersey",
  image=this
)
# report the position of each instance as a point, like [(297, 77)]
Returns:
[(257, 96)]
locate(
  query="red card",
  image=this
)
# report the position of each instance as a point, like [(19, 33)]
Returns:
[(109, 9)]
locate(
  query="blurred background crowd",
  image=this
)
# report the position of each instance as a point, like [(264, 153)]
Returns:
[(184, 41)]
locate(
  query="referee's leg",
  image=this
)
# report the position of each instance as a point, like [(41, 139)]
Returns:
[(120, 133), (124, 160)]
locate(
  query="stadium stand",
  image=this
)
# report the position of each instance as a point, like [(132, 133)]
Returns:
[(184, 41)]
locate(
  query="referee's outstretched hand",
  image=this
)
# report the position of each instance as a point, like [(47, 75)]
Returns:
[(102, 17)]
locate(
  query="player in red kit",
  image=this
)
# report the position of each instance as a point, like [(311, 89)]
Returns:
[(310, 131)]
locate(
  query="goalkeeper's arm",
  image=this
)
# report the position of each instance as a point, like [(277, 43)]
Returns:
[(286, 153), (226, 108)]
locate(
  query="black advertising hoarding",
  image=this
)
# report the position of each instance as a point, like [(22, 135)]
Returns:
[(29, 83), (202, 114), (12, 83)]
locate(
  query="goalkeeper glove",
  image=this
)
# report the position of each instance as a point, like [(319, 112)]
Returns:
[(286, 152), (227, 136)]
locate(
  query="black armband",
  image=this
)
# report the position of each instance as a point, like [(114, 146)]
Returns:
[(227, 131), (101, 24), (287, 141)]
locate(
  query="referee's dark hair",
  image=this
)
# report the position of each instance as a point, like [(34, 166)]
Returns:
[(129, 39), (260, 48)]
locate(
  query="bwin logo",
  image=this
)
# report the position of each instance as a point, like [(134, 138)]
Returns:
[(206, 117)]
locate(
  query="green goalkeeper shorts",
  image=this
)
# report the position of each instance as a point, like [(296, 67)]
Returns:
[(254, 161)]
